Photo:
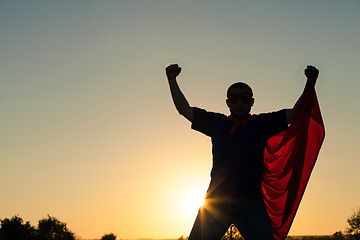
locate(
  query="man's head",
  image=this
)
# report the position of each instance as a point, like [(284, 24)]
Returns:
[(239, 99)]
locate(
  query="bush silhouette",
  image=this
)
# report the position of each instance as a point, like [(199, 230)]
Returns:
[(110, 236)]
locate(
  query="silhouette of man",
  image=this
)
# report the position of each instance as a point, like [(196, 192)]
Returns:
[(234, 195)]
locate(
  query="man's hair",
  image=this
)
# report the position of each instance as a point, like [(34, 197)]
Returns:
[(239, 85)]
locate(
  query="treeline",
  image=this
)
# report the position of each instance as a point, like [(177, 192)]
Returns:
[(48, 228), (51, 228), (336, 236)]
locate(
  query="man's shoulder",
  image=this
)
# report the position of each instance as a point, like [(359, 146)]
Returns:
[(272, 122), (201, 111), (279, 113), (206, 121)]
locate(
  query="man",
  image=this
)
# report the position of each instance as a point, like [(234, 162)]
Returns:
[(234, 195)]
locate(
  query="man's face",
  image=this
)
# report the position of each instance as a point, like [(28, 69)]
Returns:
[(239, 102)]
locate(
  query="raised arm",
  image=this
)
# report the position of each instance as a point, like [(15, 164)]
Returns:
[(311, 74), (178, 97)]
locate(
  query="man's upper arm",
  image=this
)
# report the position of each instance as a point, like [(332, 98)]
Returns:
[(277, 122), (204, 121), (188, 113)]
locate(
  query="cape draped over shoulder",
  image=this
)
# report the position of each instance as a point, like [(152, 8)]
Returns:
[(289, 158)]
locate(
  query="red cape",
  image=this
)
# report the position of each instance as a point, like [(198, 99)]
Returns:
[(288, 161)]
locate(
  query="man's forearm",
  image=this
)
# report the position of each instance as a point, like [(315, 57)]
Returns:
[(311, 74), (180, 102)]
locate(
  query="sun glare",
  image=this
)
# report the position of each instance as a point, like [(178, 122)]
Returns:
[(192, 200)]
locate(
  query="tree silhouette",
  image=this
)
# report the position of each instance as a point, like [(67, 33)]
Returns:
[(110, 236), (52, 229), (354, 225), (16, 229)]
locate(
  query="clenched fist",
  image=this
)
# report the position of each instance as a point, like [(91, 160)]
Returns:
[(311, 73), (172, 71)]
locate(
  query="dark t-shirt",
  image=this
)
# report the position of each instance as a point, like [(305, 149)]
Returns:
[(237, 159)]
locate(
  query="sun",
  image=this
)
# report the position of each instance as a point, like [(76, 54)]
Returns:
[(192, 200)]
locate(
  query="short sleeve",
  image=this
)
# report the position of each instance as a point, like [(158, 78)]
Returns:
[(203, 121), (276, 122)]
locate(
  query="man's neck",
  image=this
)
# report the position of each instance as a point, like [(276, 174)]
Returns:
[(241, 118)]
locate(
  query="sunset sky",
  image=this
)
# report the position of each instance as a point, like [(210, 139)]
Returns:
[(89, 133)]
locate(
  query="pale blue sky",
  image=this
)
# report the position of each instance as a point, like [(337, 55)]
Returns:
[(88, 130)]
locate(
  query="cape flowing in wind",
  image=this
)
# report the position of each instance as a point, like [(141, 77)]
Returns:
[(288, 161)]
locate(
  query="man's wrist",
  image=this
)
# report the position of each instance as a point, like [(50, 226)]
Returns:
[(311, 81)]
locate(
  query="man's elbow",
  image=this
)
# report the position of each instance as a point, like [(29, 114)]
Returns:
[(186, 112), (289, 115)]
